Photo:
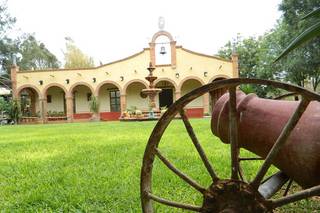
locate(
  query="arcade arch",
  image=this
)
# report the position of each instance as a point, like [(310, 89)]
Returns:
[(167, 95), (55, 95), (109, 97), (134, 97), (81, 94), (29, 98)]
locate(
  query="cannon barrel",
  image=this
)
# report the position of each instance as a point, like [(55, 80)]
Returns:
[(260, 122)]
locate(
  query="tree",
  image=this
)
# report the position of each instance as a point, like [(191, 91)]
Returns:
[(6, 20), (247, 49), (4, 106), (255, 60), (15, 111), (257, 55), (7, 46), (75, 58), (35, 55), (302, 63), (30, 53)]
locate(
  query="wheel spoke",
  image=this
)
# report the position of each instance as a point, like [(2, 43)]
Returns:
[(242, 177), (297, 196), (241, 174), (173, 203), (280, 142), (246, 159), (233, 133), (288, 188), (183, 176), (198, 146)]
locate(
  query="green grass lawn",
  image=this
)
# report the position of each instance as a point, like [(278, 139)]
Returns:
[(95, 167)]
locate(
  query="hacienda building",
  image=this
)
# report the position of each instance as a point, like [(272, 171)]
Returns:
[(64, 94)]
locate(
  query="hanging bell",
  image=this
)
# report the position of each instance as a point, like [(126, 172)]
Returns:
[(163, 50)]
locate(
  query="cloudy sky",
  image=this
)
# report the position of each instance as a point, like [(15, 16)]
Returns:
[(110, 30)]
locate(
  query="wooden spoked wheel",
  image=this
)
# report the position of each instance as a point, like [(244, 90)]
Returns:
[(223, 194)]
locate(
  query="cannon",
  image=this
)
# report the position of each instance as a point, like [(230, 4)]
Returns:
[(281, 133)]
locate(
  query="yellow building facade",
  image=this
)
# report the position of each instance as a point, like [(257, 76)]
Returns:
[(65, 93)]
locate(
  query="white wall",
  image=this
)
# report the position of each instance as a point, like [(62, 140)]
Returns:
[(82, 104), (57, 97), (134, 98), (37, 105), (187, 87), (104, 97), (166, 58)]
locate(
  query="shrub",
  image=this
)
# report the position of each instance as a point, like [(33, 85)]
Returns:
[(15, 111), (138, 112), (94, 104), (4, 106)]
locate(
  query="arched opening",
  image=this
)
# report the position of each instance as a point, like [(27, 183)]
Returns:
[(56, 103), (166, 97), (134, 98), (109, 99), (30, 104), (163, 50), (216, 94), (195, 108), (81, 97)]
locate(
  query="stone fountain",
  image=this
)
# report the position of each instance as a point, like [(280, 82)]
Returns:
[(151, 92)]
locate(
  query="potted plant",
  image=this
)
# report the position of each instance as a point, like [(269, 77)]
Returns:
[(163, 110), (132, 111), (94, 108), (138, 113), (125, 114)]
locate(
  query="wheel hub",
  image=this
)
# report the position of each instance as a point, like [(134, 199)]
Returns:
[(232, 196)]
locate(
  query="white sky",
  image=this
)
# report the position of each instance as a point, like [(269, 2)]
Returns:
[(110, 30)]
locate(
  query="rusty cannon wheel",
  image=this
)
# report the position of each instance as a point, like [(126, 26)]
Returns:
[(223, 194)]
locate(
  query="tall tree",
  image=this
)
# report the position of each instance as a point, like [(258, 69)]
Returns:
[(256, 55), (30, 53), (247, 49), (6, 21), (255, 60), (75, 58), (35, 55), (7, 45), (302, 63)]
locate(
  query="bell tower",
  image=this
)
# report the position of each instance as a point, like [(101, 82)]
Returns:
[(162, 47)]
